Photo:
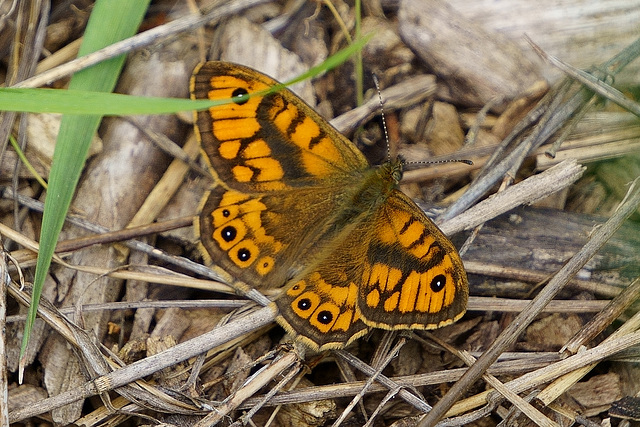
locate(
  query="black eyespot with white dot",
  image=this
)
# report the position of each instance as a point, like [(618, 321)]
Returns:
[(226, 213), (438, 283), (244, 254), (229, 233), (325, 317), (240, 96), (304, 304)]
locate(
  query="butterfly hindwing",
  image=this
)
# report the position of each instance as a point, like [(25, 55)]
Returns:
[(233, 235), (413, 277), (266, 238), (319, 308), (397, 271)]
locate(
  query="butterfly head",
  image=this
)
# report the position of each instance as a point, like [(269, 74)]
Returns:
[(392, 170)]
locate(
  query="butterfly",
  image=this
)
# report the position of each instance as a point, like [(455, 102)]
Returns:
[(297, 206)]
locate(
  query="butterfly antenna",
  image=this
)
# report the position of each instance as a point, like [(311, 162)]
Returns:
[(436, 162), (384, 121), (386, 134)]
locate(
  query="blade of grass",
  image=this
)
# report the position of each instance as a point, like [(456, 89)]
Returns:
[(358, 59), (88, 102), (83, 102), (26, 162), (110, 21)]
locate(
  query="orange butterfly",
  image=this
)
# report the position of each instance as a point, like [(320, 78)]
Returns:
[(297, 206)]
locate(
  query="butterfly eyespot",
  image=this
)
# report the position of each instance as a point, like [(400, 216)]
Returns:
[(226, 213), (245, 254), (297, 289), (304, 304), (240, 96), (438, 283), (325, 317), (264, 265), (229, 233)]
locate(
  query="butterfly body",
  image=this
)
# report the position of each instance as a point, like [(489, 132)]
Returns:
[(298, 207)]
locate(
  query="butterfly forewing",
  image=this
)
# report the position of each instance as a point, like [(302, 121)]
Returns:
[(269, 142), (266, 238)]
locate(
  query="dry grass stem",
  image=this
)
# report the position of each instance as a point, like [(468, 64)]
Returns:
[(149, 365), (525, 407), (140, 40), (525, 192), (512, 367), (515, 328), (410, 92), (255, 383)]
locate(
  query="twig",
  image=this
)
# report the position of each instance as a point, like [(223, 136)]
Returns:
[(410, 92), (5, 278), (524, 406), (552, 112), (604, 318), (515, 328), (531, 189), (591, 81), (308, 394), (390, 356), (391, 385), (139, 40), (253, 384), (149, 365), (559, 386), (550, 372)]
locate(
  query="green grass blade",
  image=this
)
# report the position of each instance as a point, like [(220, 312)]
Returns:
[(90, 102), (110, 21), (84, 102), (26, 163)]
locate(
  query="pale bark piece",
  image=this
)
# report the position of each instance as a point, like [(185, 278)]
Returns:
[(137, 290), (42, 130), (596, 394), (172, 377), (173, 322), (580, 32), (307, 414), (61, 373), (115, 184), (551, 332), (238, 371), (385, 46), (41, 140), (243, 42), (24, 395), (526, 240), (185, 202), (445, 135), (477, 65)]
